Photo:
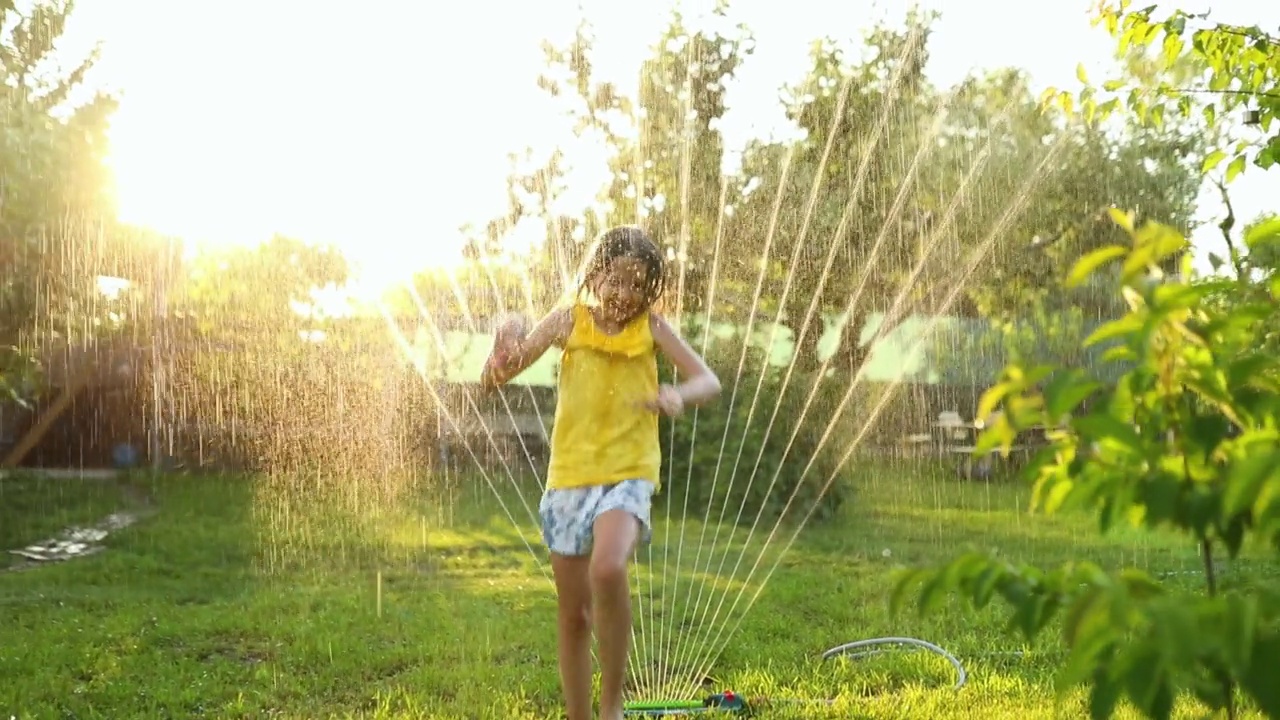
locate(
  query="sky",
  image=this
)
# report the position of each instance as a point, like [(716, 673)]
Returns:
[(384, 129)]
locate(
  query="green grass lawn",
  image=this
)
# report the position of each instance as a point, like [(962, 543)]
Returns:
[(398, 597)]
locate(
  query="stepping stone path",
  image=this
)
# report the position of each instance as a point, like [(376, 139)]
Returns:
[(77, 541), (81, 541)]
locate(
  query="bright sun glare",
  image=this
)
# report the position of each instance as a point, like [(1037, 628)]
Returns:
[(239, 189), (386, 158), (223, 149)]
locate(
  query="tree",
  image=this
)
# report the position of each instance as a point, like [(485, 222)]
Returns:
[(253, 351), (1243, 73), (538, 232), (1179, 433), (665, 157), (843, 181), (1183, 439), (905, 174), (58, 231), (53, 152), (55, 198), (1235, 76), (868, 212), (674, 169), (1153, 170)]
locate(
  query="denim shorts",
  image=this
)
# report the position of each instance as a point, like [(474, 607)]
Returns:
[(568, 515)]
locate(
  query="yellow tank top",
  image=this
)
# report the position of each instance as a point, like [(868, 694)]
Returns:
[(603, 434)]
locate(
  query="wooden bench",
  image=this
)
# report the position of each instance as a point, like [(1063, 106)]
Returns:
[(959, 437)]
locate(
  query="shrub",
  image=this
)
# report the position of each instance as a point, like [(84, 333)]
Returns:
[(731, 462), (1180, 434)]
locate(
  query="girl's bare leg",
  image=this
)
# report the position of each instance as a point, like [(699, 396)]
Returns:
[(616, 533), (573, 593)]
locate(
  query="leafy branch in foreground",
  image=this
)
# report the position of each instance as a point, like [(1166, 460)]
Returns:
[(1195, 67), (1185, 438)]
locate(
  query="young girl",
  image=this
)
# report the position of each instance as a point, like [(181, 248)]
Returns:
[(605, 452)]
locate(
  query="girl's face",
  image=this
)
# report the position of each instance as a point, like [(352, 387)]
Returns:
[(622, 290)]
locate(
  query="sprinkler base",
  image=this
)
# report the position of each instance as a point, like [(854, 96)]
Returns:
[(726, 701)]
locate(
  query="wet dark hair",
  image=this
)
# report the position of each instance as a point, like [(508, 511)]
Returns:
[(626, 242)]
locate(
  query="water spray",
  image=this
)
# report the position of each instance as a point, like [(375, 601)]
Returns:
[(729, 701)]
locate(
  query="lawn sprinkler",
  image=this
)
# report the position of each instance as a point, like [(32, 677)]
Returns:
[(725, 702), (729, 702)]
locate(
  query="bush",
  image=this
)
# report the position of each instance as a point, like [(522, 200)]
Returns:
[(718, 472), (1180, 435)]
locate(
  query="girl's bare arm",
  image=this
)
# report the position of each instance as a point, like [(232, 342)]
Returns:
[(700, 382), (508, 362)]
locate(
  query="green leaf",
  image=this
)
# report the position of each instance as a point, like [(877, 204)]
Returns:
[(1163, 240), (1119, 353), (1160, 499), (1157, 117), (992, 398), (1175, 624), (1104, 696), (1086, 265), (1066, 391), (1100, 426), (967, 567), (1172, 49), (1121, 218), (1202, 508), (1161, 707), (1215, 157), (906, 582), (1081, 75), (1260, 681), (1209, 692), (1030, 615), (1264, 232), (1090, 109), (1235, 168), (1033, 375), (1112, 85), (998, 434), (1139, 584), (1240, 623), (1247, 368), (1085, 608), (1169, 297), (1126, 39), (1141, 258), (1144, 676), (1082, 660), (1233, 537), (1015, 590), (1265, 158), (1205, 432), (1245, 480), (1057, 496), (934, 592), (985, 585)]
